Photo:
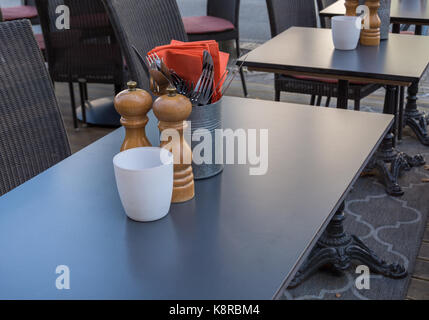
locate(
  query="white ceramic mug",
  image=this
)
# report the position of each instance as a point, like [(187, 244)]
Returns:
[(346, 32), (144, 177)]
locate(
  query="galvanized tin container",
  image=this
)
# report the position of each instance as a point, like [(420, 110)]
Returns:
[(207, 117), (384, 14)]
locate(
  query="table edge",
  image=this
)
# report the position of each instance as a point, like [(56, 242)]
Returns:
[(301, 260)]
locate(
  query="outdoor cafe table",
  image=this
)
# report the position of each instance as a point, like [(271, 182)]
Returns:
[(242, 237), (402, 12), (399, 61)]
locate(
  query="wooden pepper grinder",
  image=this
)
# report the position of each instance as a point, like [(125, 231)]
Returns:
[(371, 36), (172, 110), (133, 104)]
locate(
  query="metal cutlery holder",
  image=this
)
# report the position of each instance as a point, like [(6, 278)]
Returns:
[(207, 117)]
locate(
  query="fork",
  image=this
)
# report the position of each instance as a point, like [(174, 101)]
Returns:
[(202, 91)]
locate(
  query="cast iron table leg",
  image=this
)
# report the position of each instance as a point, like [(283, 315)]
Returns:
[(414, 118), (337, 249), (388, 161)]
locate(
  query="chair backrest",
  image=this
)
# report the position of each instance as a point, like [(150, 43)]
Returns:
[(226, 9), (145, 25), (88, 49), (284, 14), (32, 134)]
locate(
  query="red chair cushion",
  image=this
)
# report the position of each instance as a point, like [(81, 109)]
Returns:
[(40, 41), (19, 12), (206, 24), (327, 80), (407, 32)]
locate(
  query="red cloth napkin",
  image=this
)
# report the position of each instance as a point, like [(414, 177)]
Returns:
[(186, 59)]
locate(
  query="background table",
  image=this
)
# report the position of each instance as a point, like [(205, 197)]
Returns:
[(401, 12), (400, 61), (242, 236), (405, 12)]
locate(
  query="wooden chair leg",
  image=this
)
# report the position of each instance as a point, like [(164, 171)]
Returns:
[(277, 95), (243, 79)]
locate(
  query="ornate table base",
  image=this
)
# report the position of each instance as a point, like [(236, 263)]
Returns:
[(337, 250), (415, 119), (388, 155), (388, 161)]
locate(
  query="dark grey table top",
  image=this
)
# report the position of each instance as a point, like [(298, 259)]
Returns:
[(240, 238), (401, 11), (402, 58)]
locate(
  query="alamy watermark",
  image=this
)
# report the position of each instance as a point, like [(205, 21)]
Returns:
[(364, 12), (63, 20), (62, 282), (228, 146), (363, 280)]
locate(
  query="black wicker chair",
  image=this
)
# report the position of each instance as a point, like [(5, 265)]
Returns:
[(221, 23), (32, 137), (145, 25), (87, 52), (302, 13)]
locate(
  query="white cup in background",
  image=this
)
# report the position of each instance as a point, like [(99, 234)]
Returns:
[(346, 32), (144, 177)]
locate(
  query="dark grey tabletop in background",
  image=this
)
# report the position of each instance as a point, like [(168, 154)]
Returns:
[(402, 11), (242, 236), (402, 58)]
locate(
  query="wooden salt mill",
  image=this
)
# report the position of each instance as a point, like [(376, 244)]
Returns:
[(172, 110), (133, 104), (371, 36)]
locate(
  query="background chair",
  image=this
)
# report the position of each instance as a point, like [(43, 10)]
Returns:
[(145, 25), (302, 13), (32, 137), (221, 23), (87, 52)]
